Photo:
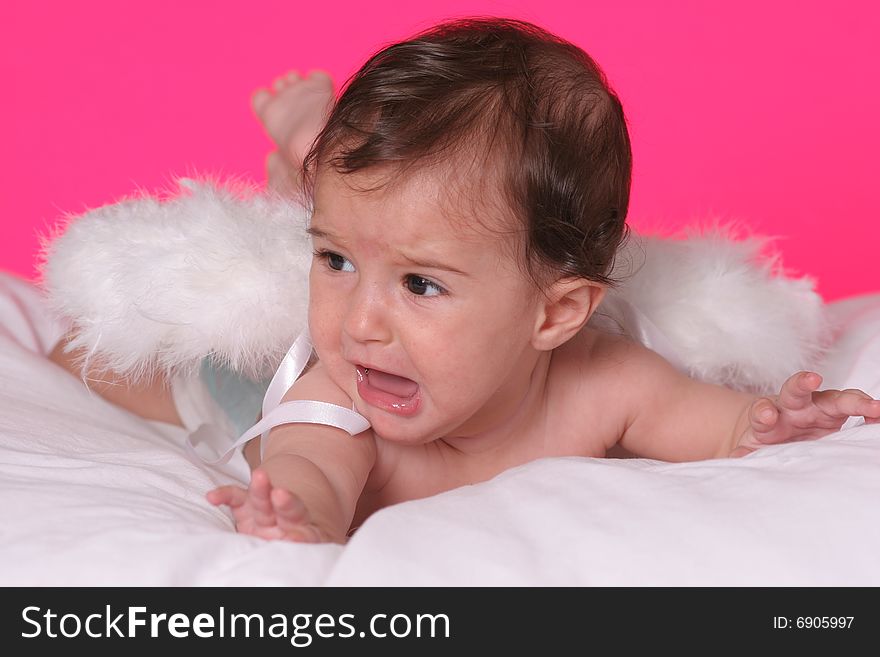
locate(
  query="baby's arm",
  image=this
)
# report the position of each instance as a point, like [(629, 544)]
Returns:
[(311, 477), (672, 417)]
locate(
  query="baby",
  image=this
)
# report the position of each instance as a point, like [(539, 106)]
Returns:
[(469, 192)]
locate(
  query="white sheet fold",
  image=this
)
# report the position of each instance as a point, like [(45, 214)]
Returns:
[(93, 495)]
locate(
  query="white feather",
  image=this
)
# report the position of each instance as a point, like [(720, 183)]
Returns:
[(156, 285), (725, 306)]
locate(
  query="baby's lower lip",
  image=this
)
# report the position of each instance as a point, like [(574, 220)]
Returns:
[(403, 406)]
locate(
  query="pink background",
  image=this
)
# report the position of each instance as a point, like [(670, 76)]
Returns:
[(765, 112)]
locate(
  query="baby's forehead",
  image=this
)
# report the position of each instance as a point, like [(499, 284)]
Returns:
[(446, 199)]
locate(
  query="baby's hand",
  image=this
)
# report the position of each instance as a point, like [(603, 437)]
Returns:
[(267, 512), (799, 412)]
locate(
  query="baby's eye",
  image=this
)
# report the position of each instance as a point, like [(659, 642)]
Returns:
[(335, 261), (419, 286)]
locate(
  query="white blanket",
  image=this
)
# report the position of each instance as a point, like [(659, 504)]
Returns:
[(92, 495)]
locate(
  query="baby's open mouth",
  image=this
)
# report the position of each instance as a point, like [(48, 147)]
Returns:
[(391, 383), (389, 392)]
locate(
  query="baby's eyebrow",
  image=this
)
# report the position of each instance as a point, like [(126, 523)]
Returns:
[(431, 264), (320, 233)]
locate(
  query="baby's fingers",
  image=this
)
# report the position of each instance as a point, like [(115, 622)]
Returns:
[(872, 414), (293, 518), (763, 417), (852, 402), (231, 496), (797, 391), (258, 496), (290, 511)]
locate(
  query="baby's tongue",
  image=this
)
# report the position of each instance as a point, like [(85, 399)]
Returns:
[(396, 385)]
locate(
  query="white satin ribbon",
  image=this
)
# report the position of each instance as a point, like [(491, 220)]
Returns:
[(276, 413)]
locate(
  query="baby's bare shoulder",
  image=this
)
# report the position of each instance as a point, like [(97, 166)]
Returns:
[(594, 355), (623, 369), (596, 380)]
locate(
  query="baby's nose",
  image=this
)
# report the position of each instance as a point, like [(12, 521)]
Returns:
[(366, 318)]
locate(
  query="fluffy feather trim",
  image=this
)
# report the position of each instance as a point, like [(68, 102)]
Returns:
[(158, 284), (723, 304)]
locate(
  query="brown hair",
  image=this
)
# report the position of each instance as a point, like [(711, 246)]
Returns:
[(563, 155)]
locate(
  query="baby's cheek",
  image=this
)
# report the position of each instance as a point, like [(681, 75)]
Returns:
[(457, 375), (326, 351), (322, 321)]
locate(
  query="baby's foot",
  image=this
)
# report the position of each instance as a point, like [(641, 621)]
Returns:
[(294, 112)]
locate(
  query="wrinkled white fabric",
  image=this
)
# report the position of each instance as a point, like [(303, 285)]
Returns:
[(93, 495)]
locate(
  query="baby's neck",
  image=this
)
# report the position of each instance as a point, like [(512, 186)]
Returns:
[(516, 419)]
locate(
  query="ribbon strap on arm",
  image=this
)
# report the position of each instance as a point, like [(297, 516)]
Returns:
[(311, 412), (276, 413)]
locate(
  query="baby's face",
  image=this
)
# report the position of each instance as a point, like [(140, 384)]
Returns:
[(454, 330)]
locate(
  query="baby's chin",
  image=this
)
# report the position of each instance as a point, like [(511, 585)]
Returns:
[(393, 429), (417, 430)]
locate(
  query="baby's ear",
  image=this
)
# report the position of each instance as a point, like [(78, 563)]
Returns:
[(566, 308)]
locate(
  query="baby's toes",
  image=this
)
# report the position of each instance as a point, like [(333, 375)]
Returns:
[(283, 81), (321, 79), (260, 100)]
